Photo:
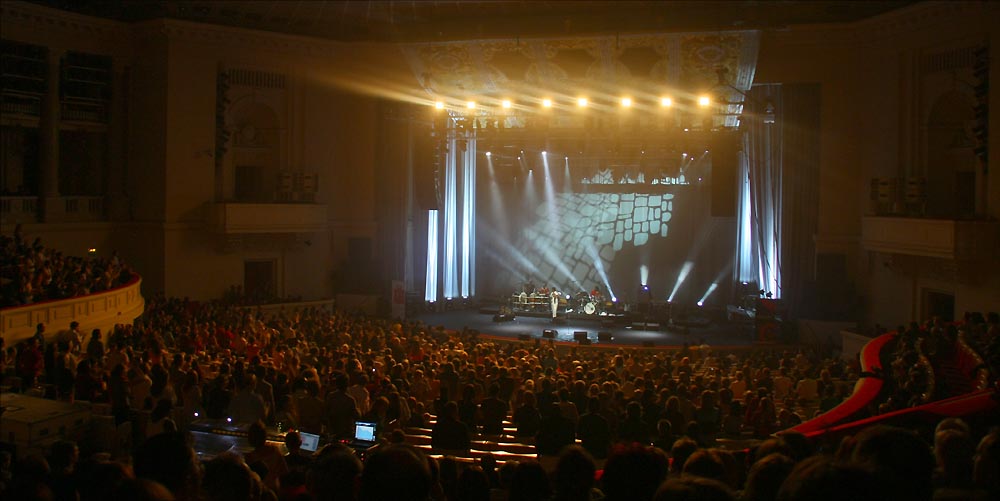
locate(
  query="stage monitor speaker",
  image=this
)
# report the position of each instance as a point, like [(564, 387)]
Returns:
[(524, 337), (503, 318), (647, 344), (605, 337), (549, 334), (645, 326), (725, 166), (580, 335), (584, 341)]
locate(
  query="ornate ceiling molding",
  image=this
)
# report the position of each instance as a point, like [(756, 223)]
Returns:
[(635, 63)]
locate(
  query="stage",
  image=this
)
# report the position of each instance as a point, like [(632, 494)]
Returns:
[(625, 330)]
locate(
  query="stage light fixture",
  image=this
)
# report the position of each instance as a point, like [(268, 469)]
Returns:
[(581, 102), (439, 105), (489, 154), (626, 102), (666, 102), (505, 104), (470, 105), (546, 103), (544, 153), (704, 101)]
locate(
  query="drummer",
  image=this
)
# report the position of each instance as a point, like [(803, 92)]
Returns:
[(595, 294)]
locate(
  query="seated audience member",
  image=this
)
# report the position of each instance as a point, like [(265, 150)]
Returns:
[(529, 482), (900, 459), (396, 472), (142, 489), (294, 459), (168, 459), (449, 433), (265, 459), (335, 474), (766, 476), (820, 479), (593, 430), (574, 476), (472, 485), (526, 418), (953, 454), (705, 463), (633, 472), (228, 478), (555, 432), (986, 470), (693, 488)]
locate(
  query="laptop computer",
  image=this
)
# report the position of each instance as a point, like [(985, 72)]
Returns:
[(310, 442), (364, 434)]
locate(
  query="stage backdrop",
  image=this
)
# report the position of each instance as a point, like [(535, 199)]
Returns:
[(541, 225)]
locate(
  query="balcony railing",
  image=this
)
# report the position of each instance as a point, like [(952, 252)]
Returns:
[(940, 238), (15, 210), (101, 310), (84, 208)]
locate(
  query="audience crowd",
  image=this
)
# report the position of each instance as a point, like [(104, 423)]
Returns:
[(31, 272), (691, 423)]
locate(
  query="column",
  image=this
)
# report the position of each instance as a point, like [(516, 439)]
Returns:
[(48, 136)]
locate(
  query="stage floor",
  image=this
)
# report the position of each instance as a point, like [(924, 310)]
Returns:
[(728, 335)]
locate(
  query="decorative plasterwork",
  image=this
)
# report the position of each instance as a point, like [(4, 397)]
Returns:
[(637, 63), (43, 17)]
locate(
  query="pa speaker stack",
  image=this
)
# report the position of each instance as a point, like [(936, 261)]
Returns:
[(580, 335)]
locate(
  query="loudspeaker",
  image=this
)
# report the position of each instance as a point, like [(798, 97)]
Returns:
[(425, 159), (584, 341), (605, 337), (524, 337), (580, 335), (725, 166), (549, 334)]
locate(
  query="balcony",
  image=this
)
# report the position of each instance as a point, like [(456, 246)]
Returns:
[(237, 218), (15, 210), (101, 310), (939, 238)]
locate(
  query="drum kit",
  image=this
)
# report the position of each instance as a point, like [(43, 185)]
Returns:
[(591, 303)]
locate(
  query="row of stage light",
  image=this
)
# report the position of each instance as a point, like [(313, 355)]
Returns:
[(703, 101)]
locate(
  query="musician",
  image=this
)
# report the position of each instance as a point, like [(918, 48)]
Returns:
[(554, 301), (529, 286), (595, 294)]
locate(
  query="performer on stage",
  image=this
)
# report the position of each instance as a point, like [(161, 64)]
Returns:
[(554, 300)]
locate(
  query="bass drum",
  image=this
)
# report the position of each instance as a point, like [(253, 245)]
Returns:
[(590, 308)]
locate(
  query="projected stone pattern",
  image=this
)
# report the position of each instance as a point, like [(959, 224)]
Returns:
[(573, 240)]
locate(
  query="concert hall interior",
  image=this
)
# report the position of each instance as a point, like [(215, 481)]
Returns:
[(767, 177)]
